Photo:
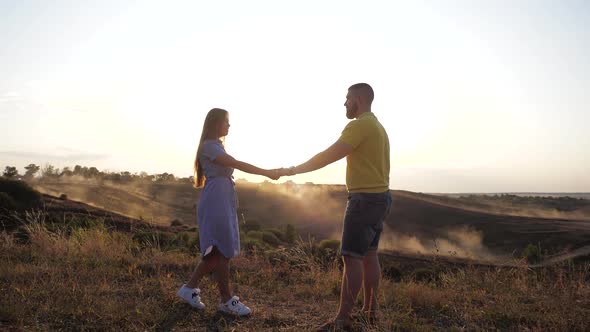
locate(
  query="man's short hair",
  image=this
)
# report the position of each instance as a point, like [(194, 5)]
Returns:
[(364, 89)]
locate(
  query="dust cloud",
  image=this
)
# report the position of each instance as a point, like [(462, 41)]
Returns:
[(316, 210), (140, 201), (461, 242)]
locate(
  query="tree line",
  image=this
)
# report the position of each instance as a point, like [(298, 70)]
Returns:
[(49, 172)]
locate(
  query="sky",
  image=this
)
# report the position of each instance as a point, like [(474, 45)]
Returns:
[(476, 96)]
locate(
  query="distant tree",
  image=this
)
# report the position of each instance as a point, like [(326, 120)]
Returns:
[(78, 170), (125, 176), (81, 171), (186, 180), (92, 172), (66, 171), (31, 170), (48, 171), (165, 177), (10, 172), (115, 177)]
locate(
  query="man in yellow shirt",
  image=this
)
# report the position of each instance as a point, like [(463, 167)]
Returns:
[(365, 145)]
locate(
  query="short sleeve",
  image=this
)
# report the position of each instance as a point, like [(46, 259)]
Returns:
[(211, 150), (353, 134)]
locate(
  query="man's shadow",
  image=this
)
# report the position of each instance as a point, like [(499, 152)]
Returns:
[(221, 322), (177, 313), (180, 313)]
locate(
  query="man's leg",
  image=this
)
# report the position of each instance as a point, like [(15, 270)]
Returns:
[(352, 278), (371, 275)]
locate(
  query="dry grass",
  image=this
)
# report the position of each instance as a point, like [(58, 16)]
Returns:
[(96, 279)]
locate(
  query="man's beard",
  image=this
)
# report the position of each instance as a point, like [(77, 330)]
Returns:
[(351, 112)]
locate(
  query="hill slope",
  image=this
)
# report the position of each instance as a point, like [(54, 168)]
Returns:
[(85, 276), (417, 223)]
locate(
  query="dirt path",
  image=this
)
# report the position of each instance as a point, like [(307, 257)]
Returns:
[(583, 251)]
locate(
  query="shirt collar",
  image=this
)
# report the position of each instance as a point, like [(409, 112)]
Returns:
[(365, 115)]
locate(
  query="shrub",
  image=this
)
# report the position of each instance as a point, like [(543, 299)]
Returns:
[(84, 222), (327, 253), (254, 235), (290, 234), (176, 222), (186, 240), (194, 245), (154, 239), (21, 193), (278, 233), (250, 225), (333, 245), (532, 253), (424, 275), (182, 239), (250, 244), (6, 202), (393, 273), (63, 197), (270, 238)]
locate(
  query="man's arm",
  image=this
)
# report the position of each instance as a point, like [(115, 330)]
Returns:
[(335, 152)]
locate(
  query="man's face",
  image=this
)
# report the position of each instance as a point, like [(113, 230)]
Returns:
[(351, 104)]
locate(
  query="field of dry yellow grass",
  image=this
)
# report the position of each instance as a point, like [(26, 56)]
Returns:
[(83, 275)]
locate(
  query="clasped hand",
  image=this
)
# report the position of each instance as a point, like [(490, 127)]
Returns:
[(276, 173)]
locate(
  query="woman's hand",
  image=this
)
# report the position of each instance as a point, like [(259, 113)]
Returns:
[(273, 174)]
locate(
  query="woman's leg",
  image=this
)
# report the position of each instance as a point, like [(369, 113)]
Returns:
[(206, 265), (221, 272)]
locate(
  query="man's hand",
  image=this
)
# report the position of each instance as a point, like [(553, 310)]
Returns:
[(335, 152), (274, 174), (287, 171)]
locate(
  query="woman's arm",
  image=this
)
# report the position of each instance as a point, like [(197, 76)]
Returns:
[(229, 161)]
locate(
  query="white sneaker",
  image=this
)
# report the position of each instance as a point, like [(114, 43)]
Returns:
[(234, 307), (192, 296)]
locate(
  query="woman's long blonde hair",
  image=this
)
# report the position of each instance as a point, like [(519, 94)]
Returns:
[(211, 130)]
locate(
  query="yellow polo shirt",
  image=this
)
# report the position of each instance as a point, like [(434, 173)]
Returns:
[(367, 167)]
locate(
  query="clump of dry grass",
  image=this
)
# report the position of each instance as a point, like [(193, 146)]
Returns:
[(92, 278), (493, 298)]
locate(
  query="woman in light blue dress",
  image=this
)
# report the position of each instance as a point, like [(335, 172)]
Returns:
[(216, 213)]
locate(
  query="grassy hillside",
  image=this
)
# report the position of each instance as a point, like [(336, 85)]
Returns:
[(84, 273), (559, 206), (418, 222)]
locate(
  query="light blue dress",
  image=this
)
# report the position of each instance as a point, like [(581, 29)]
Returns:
[(217, 210)]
